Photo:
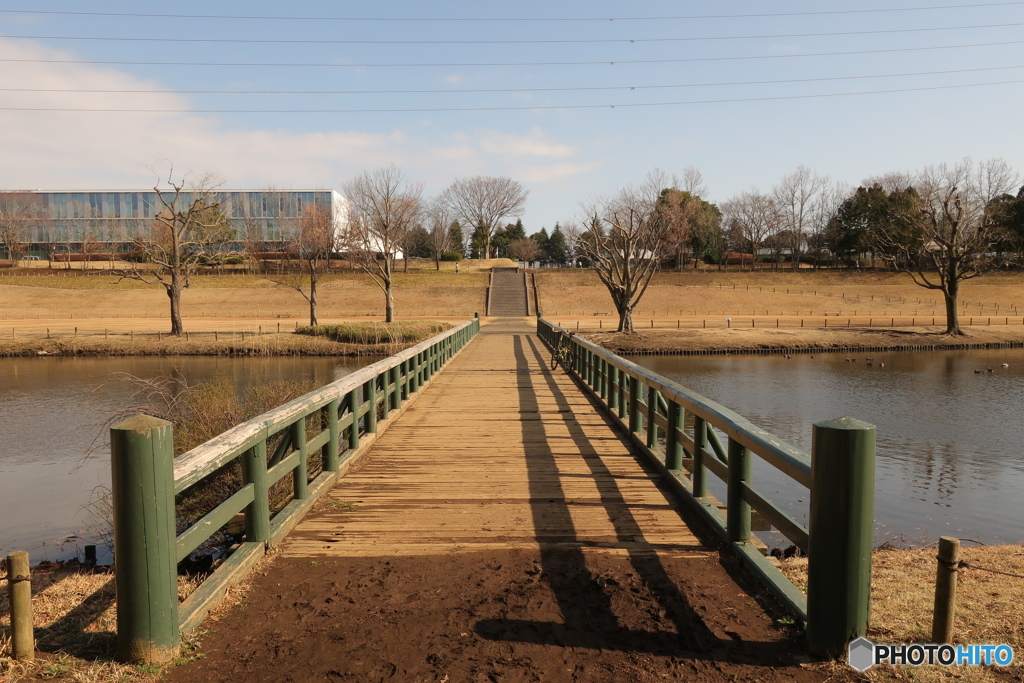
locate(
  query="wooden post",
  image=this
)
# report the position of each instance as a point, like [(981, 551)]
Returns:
[(700, 475), (652, 411), (257, 513), (945, 589), (841, 530), (142, 472), (737, 512), (19, 591), (674, 449), (634, 405), (301, 481)]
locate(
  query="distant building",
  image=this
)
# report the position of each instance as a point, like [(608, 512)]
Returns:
[(108, 221)]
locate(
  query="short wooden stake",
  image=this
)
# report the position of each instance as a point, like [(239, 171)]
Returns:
[(945, 589), (19, 590)]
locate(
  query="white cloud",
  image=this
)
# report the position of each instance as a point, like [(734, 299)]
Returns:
[(94, 150), (533, 144)]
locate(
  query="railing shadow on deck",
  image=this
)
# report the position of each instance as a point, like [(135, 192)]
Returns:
[(306, 445), (839, 473), (588, 617)]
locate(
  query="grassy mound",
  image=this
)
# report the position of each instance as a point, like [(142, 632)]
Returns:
[(372, 333)]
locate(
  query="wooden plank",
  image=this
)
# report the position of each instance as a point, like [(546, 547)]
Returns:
[(500, 453)]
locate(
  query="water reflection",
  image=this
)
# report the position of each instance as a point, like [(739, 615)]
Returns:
[(53, 409), (949, 439)]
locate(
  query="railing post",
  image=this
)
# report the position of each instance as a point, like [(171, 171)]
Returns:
[(700, 442), (353, 409), (613, 388), (19, 597), (623, 401), (841, 531), (652, 411), (634, 405), (301, 479), (737, 513), (371, 397), (257, 513), (674, 449), (142, 486), (396, 391), (334, 436)]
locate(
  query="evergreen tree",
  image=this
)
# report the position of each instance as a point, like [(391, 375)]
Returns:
[(556, 248), (457, 238)]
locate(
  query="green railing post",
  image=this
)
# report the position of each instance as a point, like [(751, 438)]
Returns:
[(301, 483), (396, 375), (387, 397), (371, 397), (841, 531), (623, 381), (142, 477), (613, 388), (334, 436), (353, 409), (652, 411), (700, 473), (674, 449), (414, 374), (635, 414), (257, 513), (737, 513)]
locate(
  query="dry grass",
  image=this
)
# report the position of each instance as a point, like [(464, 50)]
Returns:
[(75, 619), (807, 293), (902, 598)]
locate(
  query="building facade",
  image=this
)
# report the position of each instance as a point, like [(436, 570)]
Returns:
[(58, 222)]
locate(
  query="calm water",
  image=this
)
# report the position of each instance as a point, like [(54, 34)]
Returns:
[(950, 454), (53, 409)]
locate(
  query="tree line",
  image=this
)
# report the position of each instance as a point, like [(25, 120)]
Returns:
[(942, 225)]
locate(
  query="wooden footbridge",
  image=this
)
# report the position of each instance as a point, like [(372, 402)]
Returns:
[(475, 443)]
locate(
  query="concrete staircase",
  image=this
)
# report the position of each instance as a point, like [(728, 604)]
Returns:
[(507, 293)]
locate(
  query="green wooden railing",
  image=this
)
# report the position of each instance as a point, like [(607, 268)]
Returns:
[(347, 415), (839, 474)]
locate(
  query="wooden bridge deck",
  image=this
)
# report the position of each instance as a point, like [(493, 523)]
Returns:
[(500, 452)]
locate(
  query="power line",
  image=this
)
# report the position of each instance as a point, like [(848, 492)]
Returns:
[(509, 108), (567, 41), (480, 91), (505, 64), (884, 10)]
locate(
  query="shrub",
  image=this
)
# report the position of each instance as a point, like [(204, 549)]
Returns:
[(451, 256), (371, 333)]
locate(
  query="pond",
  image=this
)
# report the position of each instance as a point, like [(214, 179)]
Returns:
[(950, 452), (53, 410)]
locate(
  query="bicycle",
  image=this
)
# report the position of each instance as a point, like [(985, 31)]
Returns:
[(562, 351)]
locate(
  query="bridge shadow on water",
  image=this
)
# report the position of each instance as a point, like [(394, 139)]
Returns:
[(584, 599)]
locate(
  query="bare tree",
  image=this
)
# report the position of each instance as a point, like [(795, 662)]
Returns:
[(752, 216), (944, 236), (439, 234), (310, 242), (483, 201), (20, 212), (188, 227), (832, 194), (524, 250), (795, 197), (692, 182), (384, 207), (624, 238)]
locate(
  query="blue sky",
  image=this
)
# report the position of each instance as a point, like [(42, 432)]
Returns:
[(546, 93)]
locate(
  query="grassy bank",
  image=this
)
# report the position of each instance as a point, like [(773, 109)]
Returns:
[(361, 338), (902, 600)]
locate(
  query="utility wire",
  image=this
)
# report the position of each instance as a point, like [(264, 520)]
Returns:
[(510, 108), (504, 64), (884, 10), (567, 41), (476, 91)]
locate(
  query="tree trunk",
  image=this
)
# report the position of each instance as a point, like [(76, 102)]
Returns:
[(312, 302), (951, 293), (625, 317), (174, 294), (389, 305), (437, 263)]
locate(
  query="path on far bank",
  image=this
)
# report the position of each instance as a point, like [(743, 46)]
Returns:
[(501, 530)]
